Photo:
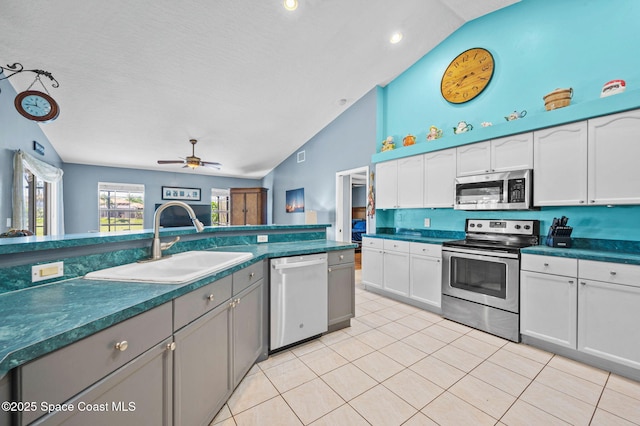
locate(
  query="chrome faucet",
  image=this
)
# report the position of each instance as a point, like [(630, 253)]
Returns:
[(158, 247)]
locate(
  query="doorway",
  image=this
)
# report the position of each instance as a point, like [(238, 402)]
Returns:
[(351, 206)]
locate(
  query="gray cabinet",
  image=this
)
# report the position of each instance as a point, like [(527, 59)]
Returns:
[(341, 289), (5, 395), (249, 333), (202, 367), (58, 376)]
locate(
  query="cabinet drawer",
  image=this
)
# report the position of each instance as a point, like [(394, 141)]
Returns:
[(247, 276), (395, 245), (56, 377), (195, 304), (422, 249), (341, 256), (617, 273), (377, 243), (550, 265)]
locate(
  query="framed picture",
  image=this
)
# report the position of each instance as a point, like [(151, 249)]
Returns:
[(177, 193), (295, 200)]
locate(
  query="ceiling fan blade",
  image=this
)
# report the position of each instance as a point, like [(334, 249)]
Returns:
[(170, 162), (210, 164)]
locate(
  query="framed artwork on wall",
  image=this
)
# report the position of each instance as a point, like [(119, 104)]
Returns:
[(295, 200), (183, 194)]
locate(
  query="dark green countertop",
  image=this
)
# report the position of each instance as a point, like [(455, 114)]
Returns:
[(601, 255), (41, 319)]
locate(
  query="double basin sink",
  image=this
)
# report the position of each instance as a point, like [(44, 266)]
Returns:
[(175, 269)]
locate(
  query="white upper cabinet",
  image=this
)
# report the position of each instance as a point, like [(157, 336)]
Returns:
[(439, 176), (560, 165), (400, 183), (614, 151), (498, 155)]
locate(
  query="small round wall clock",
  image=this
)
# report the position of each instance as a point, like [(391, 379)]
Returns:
[(467, 75), (37, 106)]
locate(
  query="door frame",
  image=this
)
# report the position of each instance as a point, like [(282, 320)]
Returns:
[(344, 204)]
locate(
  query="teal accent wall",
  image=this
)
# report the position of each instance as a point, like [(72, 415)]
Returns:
[(538, 46)]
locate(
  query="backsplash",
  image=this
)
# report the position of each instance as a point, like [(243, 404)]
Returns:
[(588, 222)]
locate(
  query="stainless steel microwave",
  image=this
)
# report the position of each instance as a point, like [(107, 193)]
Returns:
[(510, 190)]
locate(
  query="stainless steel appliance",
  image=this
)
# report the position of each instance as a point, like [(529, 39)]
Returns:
[(481, 275), (299, 299), (510, 190)]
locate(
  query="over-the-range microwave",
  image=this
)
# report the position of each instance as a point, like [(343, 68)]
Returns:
[(510, 190)]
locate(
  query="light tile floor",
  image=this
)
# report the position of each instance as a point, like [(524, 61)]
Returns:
[(399, 365)]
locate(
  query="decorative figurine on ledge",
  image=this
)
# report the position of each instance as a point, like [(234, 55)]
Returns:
[(388, 144), (462, 127), (613, 87), (486, 124), (515, 115), (409, 140), (434, 133)]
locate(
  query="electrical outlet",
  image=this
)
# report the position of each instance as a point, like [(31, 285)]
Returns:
[(8, 222), (263, 238), (47, 271), (427, 222)]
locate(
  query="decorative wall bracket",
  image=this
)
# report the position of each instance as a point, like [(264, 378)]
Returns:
[(17, 68)]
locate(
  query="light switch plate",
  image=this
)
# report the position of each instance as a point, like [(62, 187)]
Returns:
[(263, 238), (47, 271), (427, 222)]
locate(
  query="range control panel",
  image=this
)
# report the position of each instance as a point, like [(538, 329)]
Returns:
[(506, 226)]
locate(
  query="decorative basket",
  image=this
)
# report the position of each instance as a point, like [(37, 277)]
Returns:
[(559, 98)]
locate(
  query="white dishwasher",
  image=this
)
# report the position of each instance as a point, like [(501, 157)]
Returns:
[(299, 298)]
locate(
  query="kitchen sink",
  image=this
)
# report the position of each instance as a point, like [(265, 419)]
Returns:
[(175, 269)]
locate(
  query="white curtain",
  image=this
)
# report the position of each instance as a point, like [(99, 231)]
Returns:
[(49, 174)]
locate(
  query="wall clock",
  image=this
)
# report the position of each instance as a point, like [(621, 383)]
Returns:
[(36, 106), (467, 75)]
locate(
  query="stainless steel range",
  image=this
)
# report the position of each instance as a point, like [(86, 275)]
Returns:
[(481, 275)]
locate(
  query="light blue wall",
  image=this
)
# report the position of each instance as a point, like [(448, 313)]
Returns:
[(16, 132), (538, 46), (81, 190), (347, 143)]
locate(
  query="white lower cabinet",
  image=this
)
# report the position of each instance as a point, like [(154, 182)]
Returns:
[(372, 255), (548, 307), (396, 267), (609, 311), (425, 275), (588, 306)]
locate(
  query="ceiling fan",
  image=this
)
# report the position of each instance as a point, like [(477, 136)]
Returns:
[(192, 161)]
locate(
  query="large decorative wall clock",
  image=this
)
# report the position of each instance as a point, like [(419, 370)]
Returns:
[(33, 104), (467, 75)]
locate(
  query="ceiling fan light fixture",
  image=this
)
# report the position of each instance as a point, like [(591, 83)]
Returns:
[(290, 5)]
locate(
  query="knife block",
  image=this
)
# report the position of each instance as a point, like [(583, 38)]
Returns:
[(559, 236)]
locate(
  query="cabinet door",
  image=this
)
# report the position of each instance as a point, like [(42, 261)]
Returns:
[(248, 329), (396, 272), (202, 366), (474, 159), (238, 208), (613, 159), (387, 185), (548, 308), (560, 165), (608, 321), (425, 280), (411, 182), (372, 266), (341, 293), (512, 153), (139, 393), (439, 178)]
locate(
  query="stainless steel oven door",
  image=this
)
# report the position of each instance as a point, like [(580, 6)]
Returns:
[(491, 278)]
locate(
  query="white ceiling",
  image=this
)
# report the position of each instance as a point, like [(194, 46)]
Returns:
[(248, 79)]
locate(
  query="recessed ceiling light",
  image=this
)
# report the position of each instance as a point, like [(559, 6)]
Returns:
[(290, 4), (395, 38)]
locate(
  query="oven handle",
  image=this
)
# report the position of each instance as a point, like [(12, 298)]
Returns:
[(493, 253)]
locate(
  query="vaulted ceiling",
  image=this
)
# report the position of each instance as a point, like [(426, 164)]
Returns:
[(250, 80)]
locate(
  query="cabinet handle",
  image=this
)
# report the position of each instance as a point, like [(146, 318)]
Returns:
[(232, 304), (581, 201), (251, 275), (329, 269), (211, 297), (592, 201), (341, 256), (583, 283), (122, 346), (613, 272), (546, 264), (237, 301), (171, 346), (570, 281)]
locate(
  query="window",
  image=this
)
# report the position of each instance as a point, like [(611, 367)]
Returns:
[(121, 206), (36, 199), (219, 207)]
